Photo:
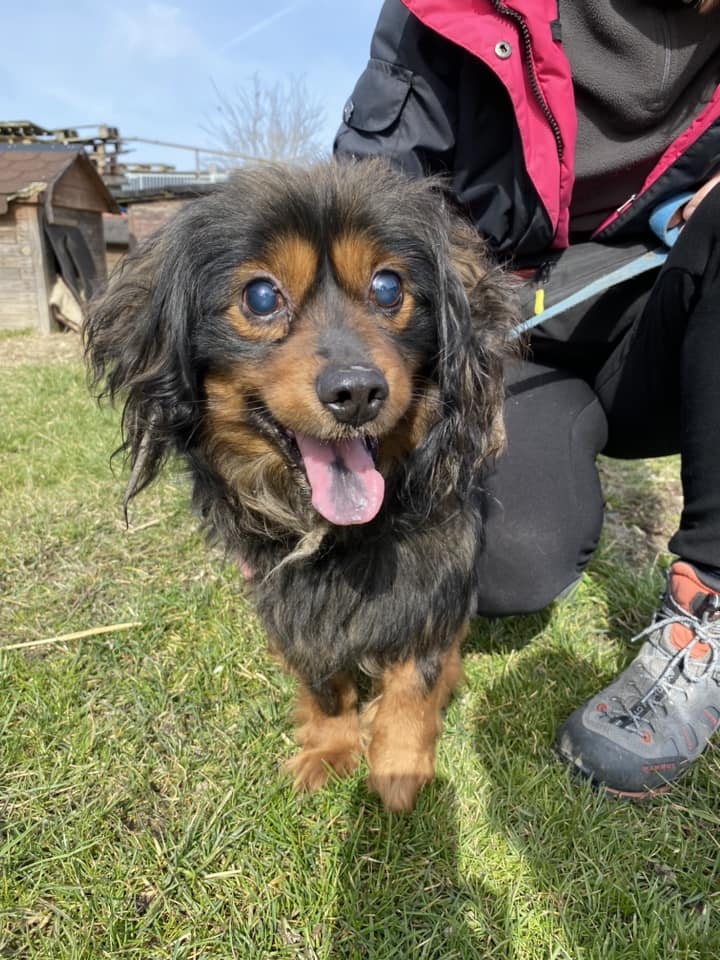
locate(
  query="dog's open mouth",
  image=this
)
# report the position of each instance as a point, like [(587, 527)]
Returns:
[(346, 487)]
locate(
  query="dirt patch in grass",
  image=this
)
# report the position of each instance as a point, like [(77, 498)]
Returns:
[(643, 504), (39, 348)]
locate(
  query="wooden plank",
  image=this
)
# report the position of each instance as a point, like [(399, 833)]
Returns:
[(76, 191), (8, 237), (145, 218), (18, 303), (17, 312), (30, 235), (15, 259), (43, 276), (16, 284)]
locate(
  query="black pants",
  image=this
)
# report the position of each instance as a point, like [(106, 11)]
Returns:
[(633, 374)]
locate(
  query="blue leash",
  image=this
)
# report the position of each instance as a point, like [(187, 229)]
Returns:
[(659, 224)]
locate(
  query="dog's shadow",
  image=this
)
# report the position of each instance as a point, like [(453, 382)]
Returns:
[(426, 882), (401, 882), (401, 886), (406, 880)]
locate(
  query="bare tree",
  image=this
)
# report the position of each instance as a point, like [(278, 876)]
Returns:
[(280, 121)]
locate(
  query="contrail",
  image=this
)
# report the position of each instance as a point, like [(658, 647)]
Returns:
[(262, 24)]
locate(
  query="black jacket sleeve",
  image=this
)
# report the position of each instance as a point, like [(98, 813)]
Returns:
[(434, 108), (403, 105)]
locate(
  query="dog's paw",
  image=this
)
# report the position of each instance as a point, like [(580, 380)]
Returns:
[(398, 791), (312, 768), (398, 775)]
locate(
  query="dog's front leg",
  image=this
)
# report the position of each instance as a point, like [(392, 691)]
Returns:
[(328, 732), (401, 727)]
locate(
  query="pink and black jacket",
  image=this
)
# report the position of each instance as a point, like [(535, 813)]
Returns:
[(481, 91)]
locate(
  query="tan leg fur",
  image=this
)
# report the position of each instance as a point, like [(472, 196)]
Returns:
[(330, 744), (401, 727)]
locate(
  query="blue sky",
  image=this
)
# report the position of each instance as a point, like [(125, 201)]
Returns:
[(150, 68)]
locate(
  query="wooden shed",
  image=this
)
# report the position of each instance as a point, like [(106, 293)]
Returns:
[(151, 208), (52, 248)]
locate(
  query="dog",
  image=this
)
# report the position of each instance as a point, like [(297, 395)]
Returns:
[(323, 347)]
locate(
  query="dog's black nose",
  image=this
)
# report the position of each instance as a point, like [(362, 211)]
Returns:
[(353, 393)]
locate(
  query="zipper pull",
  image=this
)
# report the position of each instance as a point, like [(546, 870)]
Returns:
[(623, 206), (541, 278)]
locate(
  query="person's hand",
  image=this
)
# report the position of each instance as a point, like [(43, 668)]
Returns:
[(699, 195), (685, 212)]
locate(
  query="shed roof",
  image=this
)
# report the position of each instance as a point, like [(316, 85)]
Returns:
[(26, 171)]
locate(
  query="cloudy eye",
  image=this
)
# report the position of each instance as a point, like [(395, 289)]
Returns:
[(262, 297), (386, 289)]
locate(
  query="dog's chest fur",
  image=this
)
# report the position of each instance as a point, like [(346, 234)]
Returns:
[(369, 597)]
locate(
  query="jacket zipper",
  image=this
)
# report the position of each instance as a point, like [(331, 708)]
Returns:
[(534, 85), (625, 204)]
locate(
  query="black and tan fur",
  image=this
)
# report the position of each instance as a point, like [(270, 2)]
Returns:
[(204, 377)]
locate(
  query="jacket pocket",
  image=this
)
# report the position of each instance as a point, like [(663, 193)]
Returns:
[(378, 98)]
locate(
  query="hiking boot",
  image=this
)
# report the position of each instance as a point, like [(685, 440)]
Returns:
[(645, 728)]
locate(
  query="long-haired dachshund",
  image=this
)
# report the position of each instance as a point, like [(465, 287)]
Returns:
[(323, 347)]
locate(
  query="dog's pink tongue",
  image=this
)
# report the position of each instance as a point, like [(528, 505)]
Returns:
[(346, 487)]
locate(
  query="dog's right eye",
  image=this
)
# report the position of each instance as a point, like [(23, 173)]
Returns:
[(386, 290), (262, 298)]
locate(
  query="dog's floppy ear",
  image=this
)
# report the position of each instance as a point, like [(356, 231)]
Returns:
[(476, 313), (136, 341)]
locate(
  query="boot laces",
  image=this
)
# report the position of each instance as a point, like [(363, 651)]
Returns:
[(705, 629)]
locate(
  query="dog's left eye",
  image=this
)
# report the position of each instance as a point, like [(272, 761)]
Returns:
[(263, 298), (386, 289)]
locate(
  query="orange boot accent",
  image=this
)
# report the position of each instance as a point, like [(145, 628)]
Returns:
[(685, 586)]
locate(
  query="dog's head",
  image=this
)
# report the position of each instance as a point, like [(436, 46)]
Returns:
[(305, 336)]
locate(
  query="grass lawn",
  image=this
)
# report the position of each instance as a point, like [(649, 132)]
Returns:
[(143, 812)]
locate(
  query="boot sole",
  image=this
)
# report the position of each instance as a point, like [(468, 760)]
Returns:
[(633, 796)]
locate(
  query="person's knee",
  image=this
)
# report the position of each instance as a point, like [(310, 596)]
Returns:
[(532, 577), (543, 503)]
